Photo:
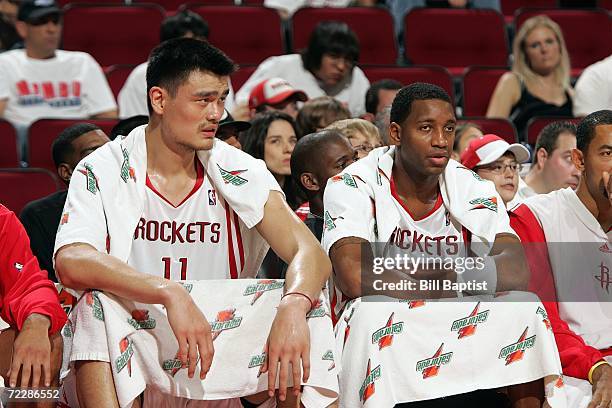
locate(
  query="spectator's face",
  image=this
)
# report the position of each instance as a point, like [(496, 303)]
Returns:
[(467, 136), (8, 9), (278, 146), (559, 171), (361, 144), (42, 36), (229, 135), (333, 69), (425, 138), (504, 173), (82, 146), (542, 50), (335, 157), (289, 106), (191, 117), (598, 159), (385, 98)]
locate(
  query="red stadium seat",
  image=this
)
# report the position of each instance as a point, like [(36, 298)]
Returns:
[(478, 86), (406, 75), (43, 132), (113, 34), (66, 2), (251, 35), (373, 26), (240, 77), (455, 39), (498, 126), (20, 186), (8, 141), (116, 76), (605, 4), (509, 7), (535, 126), (585, 46)]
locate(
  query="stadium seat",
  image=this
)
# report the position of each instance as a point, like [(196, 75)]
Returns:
[(509, 7), (478, 86), (406, 75), (43, 132), (372, 25), (112, 34), (605, 4), (456, 38), (240, 77), (498, 126), (63, 3), (20, 186), (116, 76), (8, 141), (535, 126), (252, 35), (585, 46)]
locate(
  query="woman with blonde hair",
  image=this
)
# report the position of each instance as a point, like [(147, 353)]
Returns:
[(361, 134), (539, 84)]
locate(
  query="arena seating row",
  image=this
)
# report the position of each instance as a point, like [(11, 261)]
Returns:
[(469, 37), (42, 133)]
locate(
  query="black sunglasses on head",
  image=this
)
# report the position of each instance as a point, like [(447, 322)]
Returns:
[(42, 20)]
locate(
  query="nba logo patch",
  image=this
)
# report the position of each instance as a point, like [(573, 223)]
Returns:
[(212, 197)]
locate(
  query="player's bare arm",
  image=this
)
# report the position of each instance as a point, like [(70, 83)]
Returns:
[(309, 268), (602, 386), (511, 264), (80, 266)]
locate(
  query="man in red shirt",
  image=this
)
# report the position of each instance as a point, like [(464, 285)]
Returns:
[(30, 306)]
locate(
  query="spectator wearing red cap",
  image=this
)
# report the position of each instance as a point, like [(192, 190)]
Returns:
[(275, 94), (494, 159), (326, 67)]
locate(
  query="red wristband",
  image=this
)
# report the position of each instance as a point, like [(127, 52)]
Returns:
[(312, 304)]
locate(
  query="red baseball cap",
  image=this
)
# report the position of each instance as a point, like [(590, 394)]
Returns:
[(488, 148), (273, 91)]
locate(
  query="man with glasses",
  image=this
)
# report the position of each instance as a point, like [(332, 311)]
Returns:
[(42, 81), (325, 67), (494, 159)]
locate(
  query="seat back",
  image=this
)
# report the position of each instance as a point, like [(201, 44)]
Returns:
[(536, 124), (478, 86), (8, 141), (116, 76), (20, 186), (498, 126)]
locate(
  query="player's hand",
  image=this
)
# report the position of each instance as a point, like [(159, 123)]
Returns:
[(192, 332), (607, 180), (602, 387), (288, 344), (32, 352)]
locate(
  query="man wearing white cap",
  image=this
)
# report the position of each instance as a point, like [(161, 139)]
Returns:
[(275, 94), (494, 159)]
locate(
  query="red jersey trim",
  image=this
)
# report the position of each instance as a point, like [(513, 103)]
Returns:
[(230, 244), (397, 198), (196, 187), (239, 239)]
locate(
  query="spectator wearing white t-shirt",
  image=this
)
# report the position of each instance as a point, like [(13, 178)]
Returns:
[(594, 88), (41, 81), (327, 67)]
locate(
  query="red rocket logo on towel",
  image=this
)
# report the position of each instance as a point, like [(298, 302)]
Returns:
[(413, 304), (515, 352), (467, 326), (367, 387), (347, 329), (489, 203), (544, 315), (92, 180), (64, 219), (232, 176), (226, 320), (140, 319), (384, 335), (431, 366), (126, 347), (605, 248), (93, 301), (260, 287)]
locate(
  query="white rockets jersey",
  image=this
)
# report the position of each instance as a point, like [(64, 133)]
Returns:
[(581, 259), (196, 240), (433, 235)]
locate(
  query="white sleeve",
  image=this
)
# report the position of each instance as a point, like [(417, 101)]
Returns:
[(97, 93), (349, 210), (133, 96), (290, 6), (265, 70), (591, 93), (83, 219)]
